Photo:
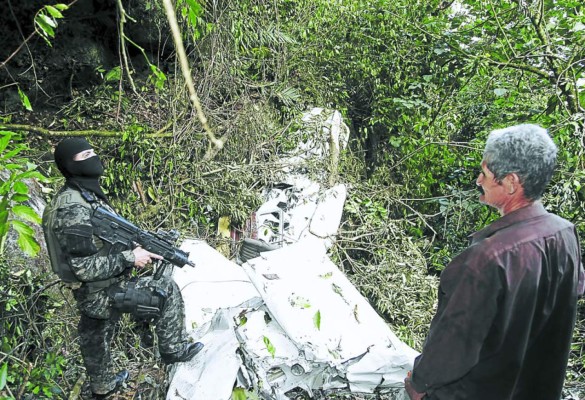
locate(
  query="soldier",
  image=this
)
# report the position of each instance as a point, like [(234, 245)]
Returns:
[(98, 272)]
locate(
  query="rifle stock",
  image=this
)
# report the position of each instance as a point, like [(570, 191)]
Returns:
[(114, 229)]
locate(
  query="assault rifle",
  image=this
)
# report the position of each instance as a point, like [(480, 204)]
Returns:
[(116, 230)]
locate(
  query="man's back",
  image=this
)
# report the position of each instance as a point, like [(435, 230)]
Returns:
[(507, 332)]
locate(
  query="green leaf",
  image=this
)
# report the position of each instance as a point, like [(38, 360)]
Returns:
[(158, 77), (192, 18), (26, 213), (3, 222), (30, 174), (6, 136), (24, 100), (12, 166), (11, 154), (151, 193), (46, 29), (395, 141), (3, 375), (114, 74), (61, 7), (48, 20), (269, 346), (54, 12), (238, 394), (20, 188), (28, 244), (317, 320), (22, 228), (195, 7), (20, 198)]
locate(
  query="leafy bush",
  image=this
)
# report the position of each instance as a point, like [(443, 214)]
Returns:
[(14, 213)]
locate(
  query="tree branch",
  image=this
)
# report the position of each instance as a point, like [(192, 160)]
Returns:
[(86, 132), (521, 67), (217, 144)]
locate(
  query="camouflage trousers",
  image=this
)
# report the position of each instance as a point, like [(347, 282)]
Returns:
[(96, 334)]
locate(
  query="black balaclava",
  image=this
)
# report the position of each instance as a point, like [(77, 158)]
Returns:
[(84, 173)]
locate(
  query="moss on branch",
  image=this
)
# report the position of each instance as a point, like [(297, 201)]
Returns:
[(83, 132)]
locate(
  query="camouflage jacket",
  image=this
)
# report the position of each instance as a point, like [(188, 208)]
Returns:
[(95, 263)]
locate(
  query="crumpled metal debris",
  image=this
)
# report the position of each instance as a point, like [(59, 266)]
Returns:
[(285, 320), (288, 319)]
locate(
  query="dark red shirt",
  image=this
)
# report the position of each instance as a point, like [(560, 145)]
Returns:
[(506, 313)]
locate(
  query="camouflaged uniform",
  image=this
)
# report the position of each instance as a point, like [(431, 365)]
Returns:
[(101, 268)]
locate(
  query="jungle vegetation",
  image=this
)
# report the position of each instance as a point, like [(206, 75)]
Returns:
[(420, 83)]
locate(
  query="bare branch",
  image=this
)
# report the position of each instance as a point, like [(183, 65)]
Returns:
[(86, 132)]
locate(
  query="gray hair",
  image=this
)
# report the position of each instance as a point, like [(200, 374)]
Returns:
[(526, 150)]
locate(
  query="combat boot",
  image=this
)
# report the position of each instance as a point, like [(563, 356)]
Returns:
[(118, 381), (187, 353)]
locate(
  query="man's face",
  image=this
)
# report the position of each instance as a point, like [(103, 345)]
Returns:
[(84, 155), (86, 164), (493, 191)]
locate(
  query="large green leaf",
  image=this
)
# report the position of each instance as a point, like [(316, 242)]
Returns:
[(55, 13), (114, 74), (20, 188), (11, 153), (48, 20), (31, 174), (28, 244), (22, 228), (46, 29), (26, 213)]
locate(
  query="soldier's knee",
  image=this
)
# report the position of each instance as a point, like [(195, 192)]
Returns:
[(140, 302), (165, 283)]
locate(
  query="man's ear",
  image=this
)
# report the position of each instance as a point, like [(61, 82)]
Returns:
[(512, 183)]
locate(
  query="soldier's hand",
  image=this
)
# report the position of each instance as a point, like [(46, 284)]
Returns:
[(143, 257)]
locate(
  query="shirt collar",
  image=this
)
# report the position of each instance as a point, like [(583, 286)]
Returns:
[(534, 210)]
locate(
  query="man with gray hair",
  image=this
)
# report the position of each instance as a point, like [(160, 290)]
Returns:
[(507, 303)]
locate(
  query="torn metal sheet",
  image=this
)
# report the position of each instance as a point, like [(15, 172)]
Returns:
[(327, 318), (259, 326), (214, 283)]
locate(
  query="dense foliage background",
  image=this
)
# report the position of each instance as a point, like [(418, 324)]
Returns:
[(420, 83)]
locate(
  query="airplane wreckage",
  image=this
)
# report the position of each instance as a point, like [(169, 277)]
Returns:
[(282, 321)]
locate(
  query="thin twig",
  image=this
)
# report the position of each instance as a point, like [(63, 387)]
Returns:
[(123, 43)]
